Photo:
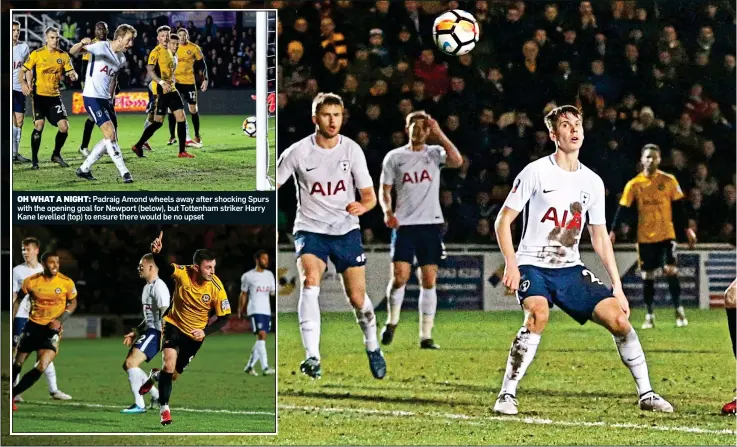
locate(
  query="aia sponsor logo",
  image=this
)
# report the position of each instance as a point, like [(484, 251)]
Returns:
[(327, 188), (416, 177)]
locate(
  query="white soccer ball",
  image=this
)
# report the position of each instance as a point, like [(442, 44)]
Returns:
[(455, 32), (249, 126)]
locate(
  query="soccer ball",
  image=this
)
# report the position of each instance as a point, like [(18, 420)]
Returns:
[(249, 126), (455, 32)]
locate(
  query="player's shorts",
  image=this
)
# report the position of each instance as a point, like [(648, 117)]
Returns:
[(423, 243), (149, 343), (19, 102), (189, 91), (18, 324), (36, 337), (100, 110), (574, 289), (185, 346), (260, 322), (50, 108), (166, 101), (655, 255), (344, 251)]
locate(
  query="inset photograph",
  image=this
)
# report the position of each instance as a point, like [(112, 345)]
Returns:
[(138, 100), (139, 329)]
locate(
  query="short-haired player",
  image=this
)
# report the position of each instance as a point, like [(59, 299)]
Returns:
[(258, 285)]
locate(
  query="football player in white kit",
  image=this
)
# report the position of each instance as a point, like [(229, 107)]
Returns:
[(22, 309), (413, 171), (258, 285), (327, 168), (20, 53), (99, 92), (155, 300), (559, 195)]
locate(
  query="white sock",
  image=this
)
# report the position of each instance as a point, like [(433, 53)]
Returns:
[(154, 392), (394, 303), (136, 378), (520, 356), (95, 155), (50, 374), (262, 355), (16, 139), (113, 150), (366, 319), (186, 124), (630, 350), (428, 306), (309, 320), (164, 408), (252, 359)]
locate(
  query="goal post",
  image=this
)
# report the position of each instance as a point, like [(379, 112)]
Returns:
[(262, 112)]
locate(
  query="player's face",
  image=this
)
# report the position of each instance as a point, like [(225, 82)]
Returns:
[(182, 37), (51, 266), (263, 261), (16, 33), (163, 38), (650, 160), (30, 252), (127, 40), (418, 131), (144, 267), (569, 133), (206, 269), (173, 45), (52, 40), (328, 120), (101, 32)]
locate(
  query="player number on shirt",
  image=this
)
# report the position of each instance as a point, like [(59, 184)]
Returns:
[(592, 277)]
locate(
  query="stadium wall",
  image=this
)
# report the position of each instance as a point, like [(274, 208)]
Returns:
[(472, 280)]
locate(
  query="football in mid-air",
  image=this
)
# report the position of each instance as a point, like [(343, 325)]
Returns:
[(455, 32), (249, 126)]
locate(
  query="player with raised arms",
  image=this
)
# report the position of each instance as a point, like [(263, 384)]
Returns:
[(145, 340), (413, 171), (258, 285), (327, 168), (101, 31), (559, 196), (108, 58), (52, 297), (20, 54)]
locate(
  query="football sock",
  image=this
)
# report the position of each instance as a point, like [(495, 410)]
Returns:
[(648, 293), (136, 378), (731, 316), (366, 319), (146, 123), (196, 123), (148, 132), (89, 125), (309, 320), (395, 296), (113, 150), (261, 351), (61, 137), (182, 135), (155, 375), (630, 350), (674, 286), (521, 355), (165, 380), (95, 155), (15, 371), (16, 139), (253, 358), (428, 305), (172, 125), (35, 144), (154, 393), (50, 374), (26, 381)]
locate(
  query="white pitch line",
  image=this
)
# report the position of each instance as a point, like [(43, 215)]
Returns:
[(190, 410), (524, 420)]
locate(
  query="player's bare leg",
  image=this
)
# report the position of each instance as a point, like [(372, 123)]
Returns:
[(165, 383), (44, 358), (61, 138), (394, 298), (311, 269), (524, 347), (674, 287), (17, 131), (609, 314), (136, 378), (182, 133), (428, 304), (38, 128), (354, 282)]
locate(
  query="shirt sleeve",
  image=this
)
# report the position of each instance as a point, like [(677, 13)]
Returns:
[(30, 61), (387, 171), (71, 290), (273, 284), (198, 56), (439, 155), (628, 195), (597, 212), (244, 282), (222, 305), (523, 188), (95, 48), (26, 286), (67, 63), (676, 191), (286, 165), (163, 298), (359, 168), (153, 57), (17, 281)]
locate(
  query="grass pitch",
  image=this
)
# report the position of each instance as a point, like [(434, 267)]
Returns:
[(226, 162)]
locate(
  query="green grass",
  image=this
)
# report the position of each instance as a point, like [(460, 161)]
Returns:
[(227, 162), (212, 396)]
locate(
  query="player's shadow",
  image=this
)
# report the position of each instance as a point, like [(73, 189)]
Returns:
[(362, 397)]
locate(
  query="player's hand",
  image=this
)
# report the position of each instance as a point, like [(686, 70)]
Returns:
[(434, 127), (157, 244), (73, 75), (198, 334), (391, 220), (25, 88), (356, 209), (55, 325), (691, 234), (128, 338), (203, 87), (166, 87), (619, 295), (86, 41), (511, 276), (612, 237)]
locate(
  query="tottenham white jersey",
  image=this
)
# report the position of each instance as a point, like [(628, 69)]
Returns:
[(415, 176), (20, 273), (155, 299), (20, 54), (102, 70), (556, 205), (326, 181), (259, 286)]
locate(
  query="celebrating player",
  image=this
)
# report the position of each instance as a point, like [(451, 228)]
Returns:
[(155, 300), (730, 304), (22, 309), (414, 169), (45, 66), (101, 31), (257, 286), (559, 195), (20, 54), (197, 291), (328, 168), (99, 96), (658, 196), (161, 67), (52, 297), (189, 58)]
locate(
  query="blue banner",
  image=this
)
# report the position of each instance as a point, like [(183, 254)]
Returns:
[(689, 275)]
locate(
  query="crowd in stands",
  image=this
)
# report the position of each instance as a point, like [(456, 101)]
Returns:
[(645, 71)]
